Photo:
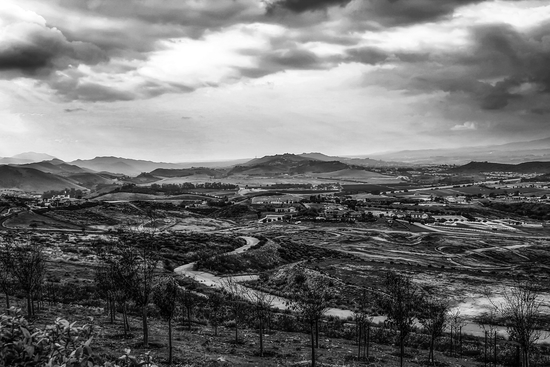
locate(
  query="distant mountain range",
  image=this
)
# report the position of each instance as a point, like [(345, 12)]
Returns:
[(30, 179), (367, 162), (49, 175), (517, 152), (133, 167), (55, 174), (28, 157), (39, 172)]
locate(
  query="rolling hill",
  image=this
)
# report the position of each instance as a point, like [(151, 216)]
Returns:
[(133, 167), (90, 180), (56, 166), (33, 180), (290, 164), (366, 162), (527, 167), (130, 167), (274, 160), (320, 157)]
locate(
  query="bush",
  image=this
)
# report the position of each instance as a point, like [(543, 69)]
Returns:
[(61, 344)]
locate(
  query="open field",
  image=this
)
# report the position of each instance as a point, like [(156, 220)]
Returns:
[(26, 219), (459, 267)]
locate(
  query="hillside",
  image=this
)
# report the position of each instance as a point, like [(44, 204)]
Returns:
[(527, 167), (320, 157), (90, 180), (130, 167), (366, 162), (289, 168), (357, 174), (56, 166), (30, 179), (290, 164), (133, 167), (144, 178), (273, 160)]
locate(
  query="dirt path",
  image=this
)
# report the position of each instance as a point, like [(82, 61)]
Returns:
[(212, 280), (209, 279), (281, 303)]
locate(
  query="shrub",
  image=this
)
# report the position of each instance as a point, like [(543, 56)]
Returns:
[(61, 344)]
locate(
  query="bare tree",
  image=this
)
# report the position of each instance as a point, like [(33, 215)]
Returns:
[(433, 316), (399, 301), (456, 323), (118, 274), (262, 303), (189, 300), (236, 303), (147, 260), (7, 280), (166, 296), (27, 265), (311, 301), (106, 288), (521, 309), (216, 310), (363, 320), (488, 323)]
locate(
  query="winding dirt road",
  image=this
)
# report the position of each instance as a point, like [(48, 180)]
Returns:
[(280, 303)]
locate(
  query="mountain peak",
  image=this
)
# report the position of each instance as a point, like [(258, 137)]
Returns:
[(34, 157)]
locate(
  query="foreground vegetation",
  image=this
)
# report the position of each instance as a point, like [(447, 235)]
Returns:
[(183, 322)]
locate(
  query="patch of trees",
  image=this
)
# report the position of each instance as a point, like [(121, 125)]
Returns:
[(538, 211), (283, 186), (230, 211), (174, 189), (177, 248), (252, 261), (267, 258), (23, 267), (72, 192), (541, 178)]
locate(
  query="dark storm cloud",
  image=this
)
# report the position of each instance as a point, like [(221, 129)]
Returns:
[(291, 59), (42, 50), (368, 55), (300, 6), (520, 61), (540, 110), (70, 86), (200, 14), (501, 68), (146, 22), (404, 12), (362, 14), (285, 56), (90, 92)]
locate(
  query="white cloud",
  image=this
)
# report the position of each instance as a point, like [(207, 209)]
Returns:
[(468, 125)]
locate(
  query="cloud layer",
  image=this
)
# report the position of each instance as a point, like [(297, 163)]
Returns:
[(465, 66)]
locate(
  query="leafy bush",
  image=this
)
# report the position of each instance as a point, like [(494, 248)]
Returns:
[(61, 344)]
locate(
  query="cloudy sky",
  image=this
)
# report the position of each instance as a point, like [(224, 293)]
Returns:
[(184, 80)]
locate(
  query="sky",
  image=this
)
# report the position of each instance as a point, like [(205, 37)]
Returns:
[(199, 80)]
